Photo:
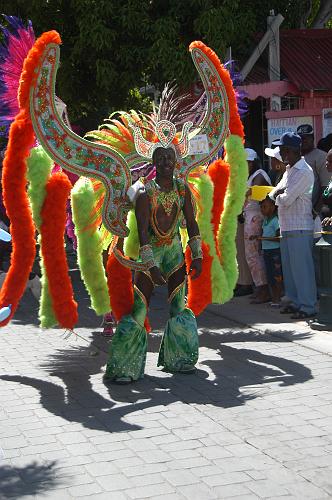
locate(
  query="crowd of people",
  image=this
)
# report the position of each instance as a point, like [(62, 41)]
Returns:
[(276, 235)]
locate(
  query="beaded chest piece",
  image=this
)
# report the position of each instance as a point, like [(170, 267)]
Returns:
[(167, 200)]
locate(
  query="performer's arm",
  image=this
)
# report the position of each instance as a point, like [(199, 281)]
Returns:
[(195, 242), (142, 211)]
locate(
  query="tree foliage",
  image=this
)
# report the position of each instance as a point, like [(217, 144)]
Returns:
[(112, 47)]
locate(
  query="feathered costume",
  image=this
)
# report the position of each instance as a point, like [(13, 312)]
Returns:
[(117, 155)]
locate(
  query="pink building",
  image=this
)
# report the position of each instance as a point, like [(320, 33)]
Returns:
[(302, 95)]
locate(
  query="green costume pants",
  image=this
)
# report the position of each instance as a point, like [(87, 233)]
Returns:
[(179, 346)]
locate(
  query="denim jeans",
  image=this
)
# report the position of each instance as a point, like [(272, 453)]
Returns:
[(298, 269)]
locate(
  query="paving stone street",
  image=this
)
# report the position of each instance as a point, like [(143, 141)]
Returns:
[(255, 421)]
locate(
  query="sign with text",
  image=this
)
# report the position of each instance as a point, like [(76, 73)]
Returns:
[(278, 126)]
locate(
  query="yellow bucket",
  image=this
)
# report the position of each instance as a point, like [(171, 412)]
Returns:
[(259, 193)]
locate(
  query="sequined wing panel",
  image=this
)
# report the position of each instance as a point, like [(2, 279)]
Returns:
[(214, 124), (74, 153)]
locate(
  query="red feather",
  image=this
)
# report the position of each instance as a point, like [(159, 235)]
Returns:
[(199, 289), (52, 230)]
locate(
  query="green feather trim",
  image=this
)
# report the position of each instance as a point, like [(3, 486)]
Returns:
[(39, 171), (89, 246), (131, 243), (237, 159), (204, 186), (46, 312)]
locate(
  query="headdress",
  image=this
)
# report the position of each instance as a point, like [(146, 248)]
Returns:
[(166, 124)]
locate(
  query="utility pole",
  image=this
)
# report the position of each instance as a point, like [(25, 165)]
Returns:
[(274, 48), (269, 35), (274, 57)]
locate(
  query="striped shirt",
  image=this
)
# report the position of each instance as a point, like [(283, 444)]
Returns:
[(294, 204)]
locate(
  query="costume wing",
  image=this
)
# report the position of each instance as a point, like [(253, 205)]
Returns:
[(221, 115), (73, 153)]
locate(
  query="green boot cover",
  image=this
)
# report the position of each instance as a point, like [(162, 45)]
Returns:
[(179, 346), (128, 348)]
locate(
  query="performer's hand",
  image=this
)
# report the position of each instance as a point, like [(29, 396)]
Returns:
[(156, 276), (195, 268)]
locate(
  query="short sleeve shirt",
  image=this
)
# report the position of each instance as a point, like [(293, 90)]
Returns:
[(270, 228)]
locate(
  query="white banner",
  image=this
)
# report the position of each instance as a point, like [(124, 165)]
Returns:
[(199, 145)]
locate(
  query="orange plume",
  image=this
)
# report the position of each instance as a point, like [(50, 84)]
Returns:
[(235, 124), (120, 289), (21, 139), (219, 175), (52, 230), (199, 290)]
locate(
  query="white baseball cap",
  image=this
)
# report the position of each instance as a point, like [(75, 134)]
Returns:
[(251, 154), (273, 153)]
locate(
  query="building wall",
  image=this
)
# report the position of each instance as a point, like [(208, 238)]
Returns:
[(310, 107)]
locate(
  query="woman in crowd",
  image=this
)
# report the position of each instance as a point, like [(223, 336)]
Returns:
[(278, 168), (253, 228)]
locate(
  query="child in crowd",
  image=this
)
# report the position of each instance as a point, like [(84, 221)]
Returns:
[(271, 249)]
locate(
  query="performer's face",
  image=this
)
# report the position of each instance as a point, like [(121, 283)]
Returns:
[(164, 161)]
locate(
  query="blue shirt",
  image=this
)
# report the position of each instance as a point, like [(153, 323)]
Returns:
[(270, 228)]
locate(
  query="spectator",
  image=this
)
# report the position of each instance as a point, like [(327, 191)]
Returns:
[(244, 283), (277, 166), (271, 249), (326, 210), (316, 158), (253, 227), (293, 196), (325, 144)]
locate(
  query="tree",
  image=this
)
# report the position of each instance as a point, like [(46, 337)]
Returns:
[(112, 47), (323, 14)]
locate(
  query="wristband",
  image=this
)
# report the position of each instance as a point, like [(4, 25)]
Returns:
[(146, 256), (195, 245)]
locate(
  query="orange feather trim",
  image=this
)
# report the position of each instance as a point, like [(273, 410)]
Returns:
[(121, 147), (52, 230), (21, 138), (235, 124), (123, 129), (28, 75), (199, 290), (219, 175), (120, 289)]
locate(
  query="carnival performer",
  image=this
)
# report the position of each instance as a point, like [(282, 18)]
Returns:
[(159, 205), (139, 222)]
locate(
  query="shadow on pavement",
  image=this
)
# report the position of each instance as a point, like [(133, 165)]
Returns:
[(81, 396), (96, 406), (32, 479), (208, 337)]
